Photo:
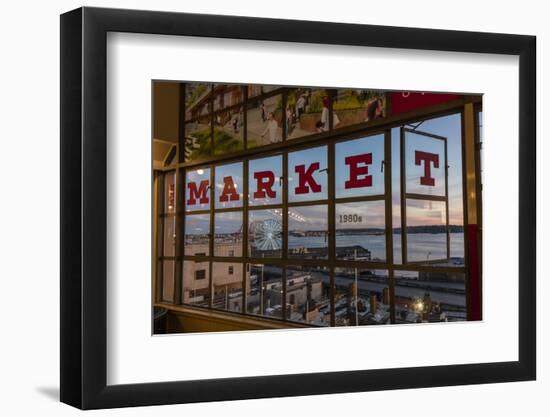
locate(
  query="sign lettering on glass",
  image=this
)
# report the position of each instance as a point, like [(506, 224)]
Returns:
[(358, 176), (428, 159)]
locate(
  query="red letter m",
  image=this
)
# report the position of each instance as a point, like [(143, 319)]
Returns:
[(201, 193)]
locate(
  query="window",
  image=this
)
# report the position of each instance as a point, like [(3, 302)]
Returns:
[(362, 297), (309, 206), (167, 233), (227, 286), (265, 121), (265, 181), (360, 173), (228, 235), (265, 291), (307, 112), (265, 233), (308, 175), (197, 235), (354, 106), (429, 296), (195, 289), (308, 294), (361, 231), (308, 232)]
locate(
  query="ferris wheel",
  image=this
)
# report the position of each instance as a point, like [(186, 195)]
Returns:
[(266, 234)]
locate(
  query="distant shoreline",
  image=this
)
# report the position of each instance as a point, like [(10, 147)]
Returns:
[(397, 230)]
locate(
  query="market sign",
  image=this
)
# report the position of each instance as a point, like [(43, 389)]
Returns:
[(357, 175)]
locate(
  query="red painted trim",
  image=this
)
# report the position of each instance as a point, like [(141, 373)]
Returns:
[(406, 101), (473, 268)]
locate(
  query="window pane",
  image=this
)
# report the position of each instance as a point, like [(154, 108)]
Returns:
[(427, 236), (396, 193), (307, 112), (429, 297), (258, 89), (228, 234), (307, 175), (169, 244), (197, 100), (353, 106), (451, 128), (196, 283), (359, 169), (264, 122), (229, 185), (197, 235), (197, 139), (227, 286), (360, 231), (227, 95), (168, 281), (424, 164), (229, 131), (362, 297), (170, 192), (264, 181), (264, 290), (308, 295), (197, 190), (308, 232), (265, 228)]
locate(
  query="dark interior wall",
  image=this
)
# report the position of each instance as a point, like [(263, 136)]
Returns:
[(166, 96)]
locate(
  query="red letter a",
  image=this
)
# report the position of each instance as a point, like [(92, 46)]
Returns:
[(229, 193)]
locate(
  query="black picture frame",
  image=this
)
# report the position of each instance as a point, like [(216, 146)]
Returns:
[(84, 207)]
